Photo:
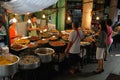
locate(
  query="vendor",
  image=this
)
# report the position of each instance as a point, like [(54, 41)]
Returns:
[(12, 31), (32, 26)]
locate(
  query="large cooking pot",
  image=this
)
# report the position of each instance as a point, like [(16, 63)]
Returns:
[(8, 65), (29, 62), (45, 54)]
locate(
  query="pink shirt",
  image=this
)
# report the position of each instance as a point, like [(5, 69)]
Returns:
[(109, 36)]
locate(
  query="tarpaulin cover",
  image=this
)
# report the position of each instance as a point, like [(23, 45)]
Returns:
[(27, 6)]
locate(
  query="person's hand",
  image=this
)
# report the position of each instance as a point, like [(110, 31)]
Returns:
[(20, 36), (66, 51)]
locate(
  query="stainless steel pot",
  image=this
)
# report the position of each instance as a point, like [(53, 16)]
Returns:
[(45, 54), (29, 62), (8, 69)]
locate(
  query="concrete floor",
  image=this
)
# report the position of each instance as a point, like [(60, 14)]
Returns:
[(110, 66)]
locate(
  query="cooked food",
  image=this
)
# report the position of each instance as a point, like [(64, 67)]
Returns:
[(17, 46), (84, 43), (69, 31), (44, 51), (29, 59), (42, 41), (57, 43), (22, 41), (32, 45), (34, 38), (45, 35), (65, 37), (89, 39), (6, 60), (53, 38), (54, 31)]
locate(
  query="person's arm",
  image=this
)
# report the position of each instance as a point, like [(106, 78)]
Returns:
[(68, 47), (30, 28), (69, 43)]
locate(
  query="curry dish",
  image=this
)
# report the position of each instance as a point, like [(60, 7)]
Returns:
[(31, 45), (34, 38), (17, 46), (42, 41), (53, 38), (65, 37), (57, 43), (4, 60)]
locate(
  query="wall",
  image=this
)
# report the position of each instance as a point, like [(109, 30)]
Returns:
[(113, 10), (60, 23), (86, 14)]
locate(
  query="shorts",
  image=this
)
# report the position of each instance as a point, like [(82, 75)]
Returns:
[(74, 59), (100, 53)]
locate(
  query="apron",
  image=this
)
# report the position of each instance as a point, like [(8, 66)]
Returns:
[(33, 32)]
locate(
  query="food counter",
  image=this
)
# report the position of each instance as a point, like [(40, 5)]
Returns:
[(50, 39), (26, 47)]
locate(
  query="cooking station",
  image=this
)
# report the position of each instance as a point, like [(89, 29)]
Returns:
[(42, 57)]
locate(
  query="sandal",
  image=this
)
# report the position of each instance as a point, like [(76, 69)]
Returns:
[(98, 71), (78, 70), (71, 71)]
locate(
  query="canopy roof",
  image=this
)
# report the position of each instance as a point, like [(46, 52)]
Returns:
[(27, 6)]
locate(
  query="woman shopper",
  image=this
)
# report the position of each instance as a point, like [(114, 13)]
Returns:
[(73, 48), (101, 37), (109, 38)]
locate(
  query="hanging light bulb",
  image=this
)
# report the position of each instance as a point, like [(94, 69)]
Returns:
[(29, 21), (97, 18), (43, 16), (27, 13), (68, 18)]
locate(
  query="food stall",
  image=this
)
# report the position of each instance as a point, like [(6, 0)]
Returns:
[(38, 53), (25, 43)]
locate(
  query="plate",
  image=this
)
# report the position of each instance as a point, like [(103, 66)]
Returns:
[(32, 45), (18, 47), (84, 43), (42, 41), (22, 41), (24, 37), (57, 43)]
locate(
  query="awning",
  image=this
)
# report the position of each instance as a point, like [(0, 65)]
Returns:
[(27, 6)]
